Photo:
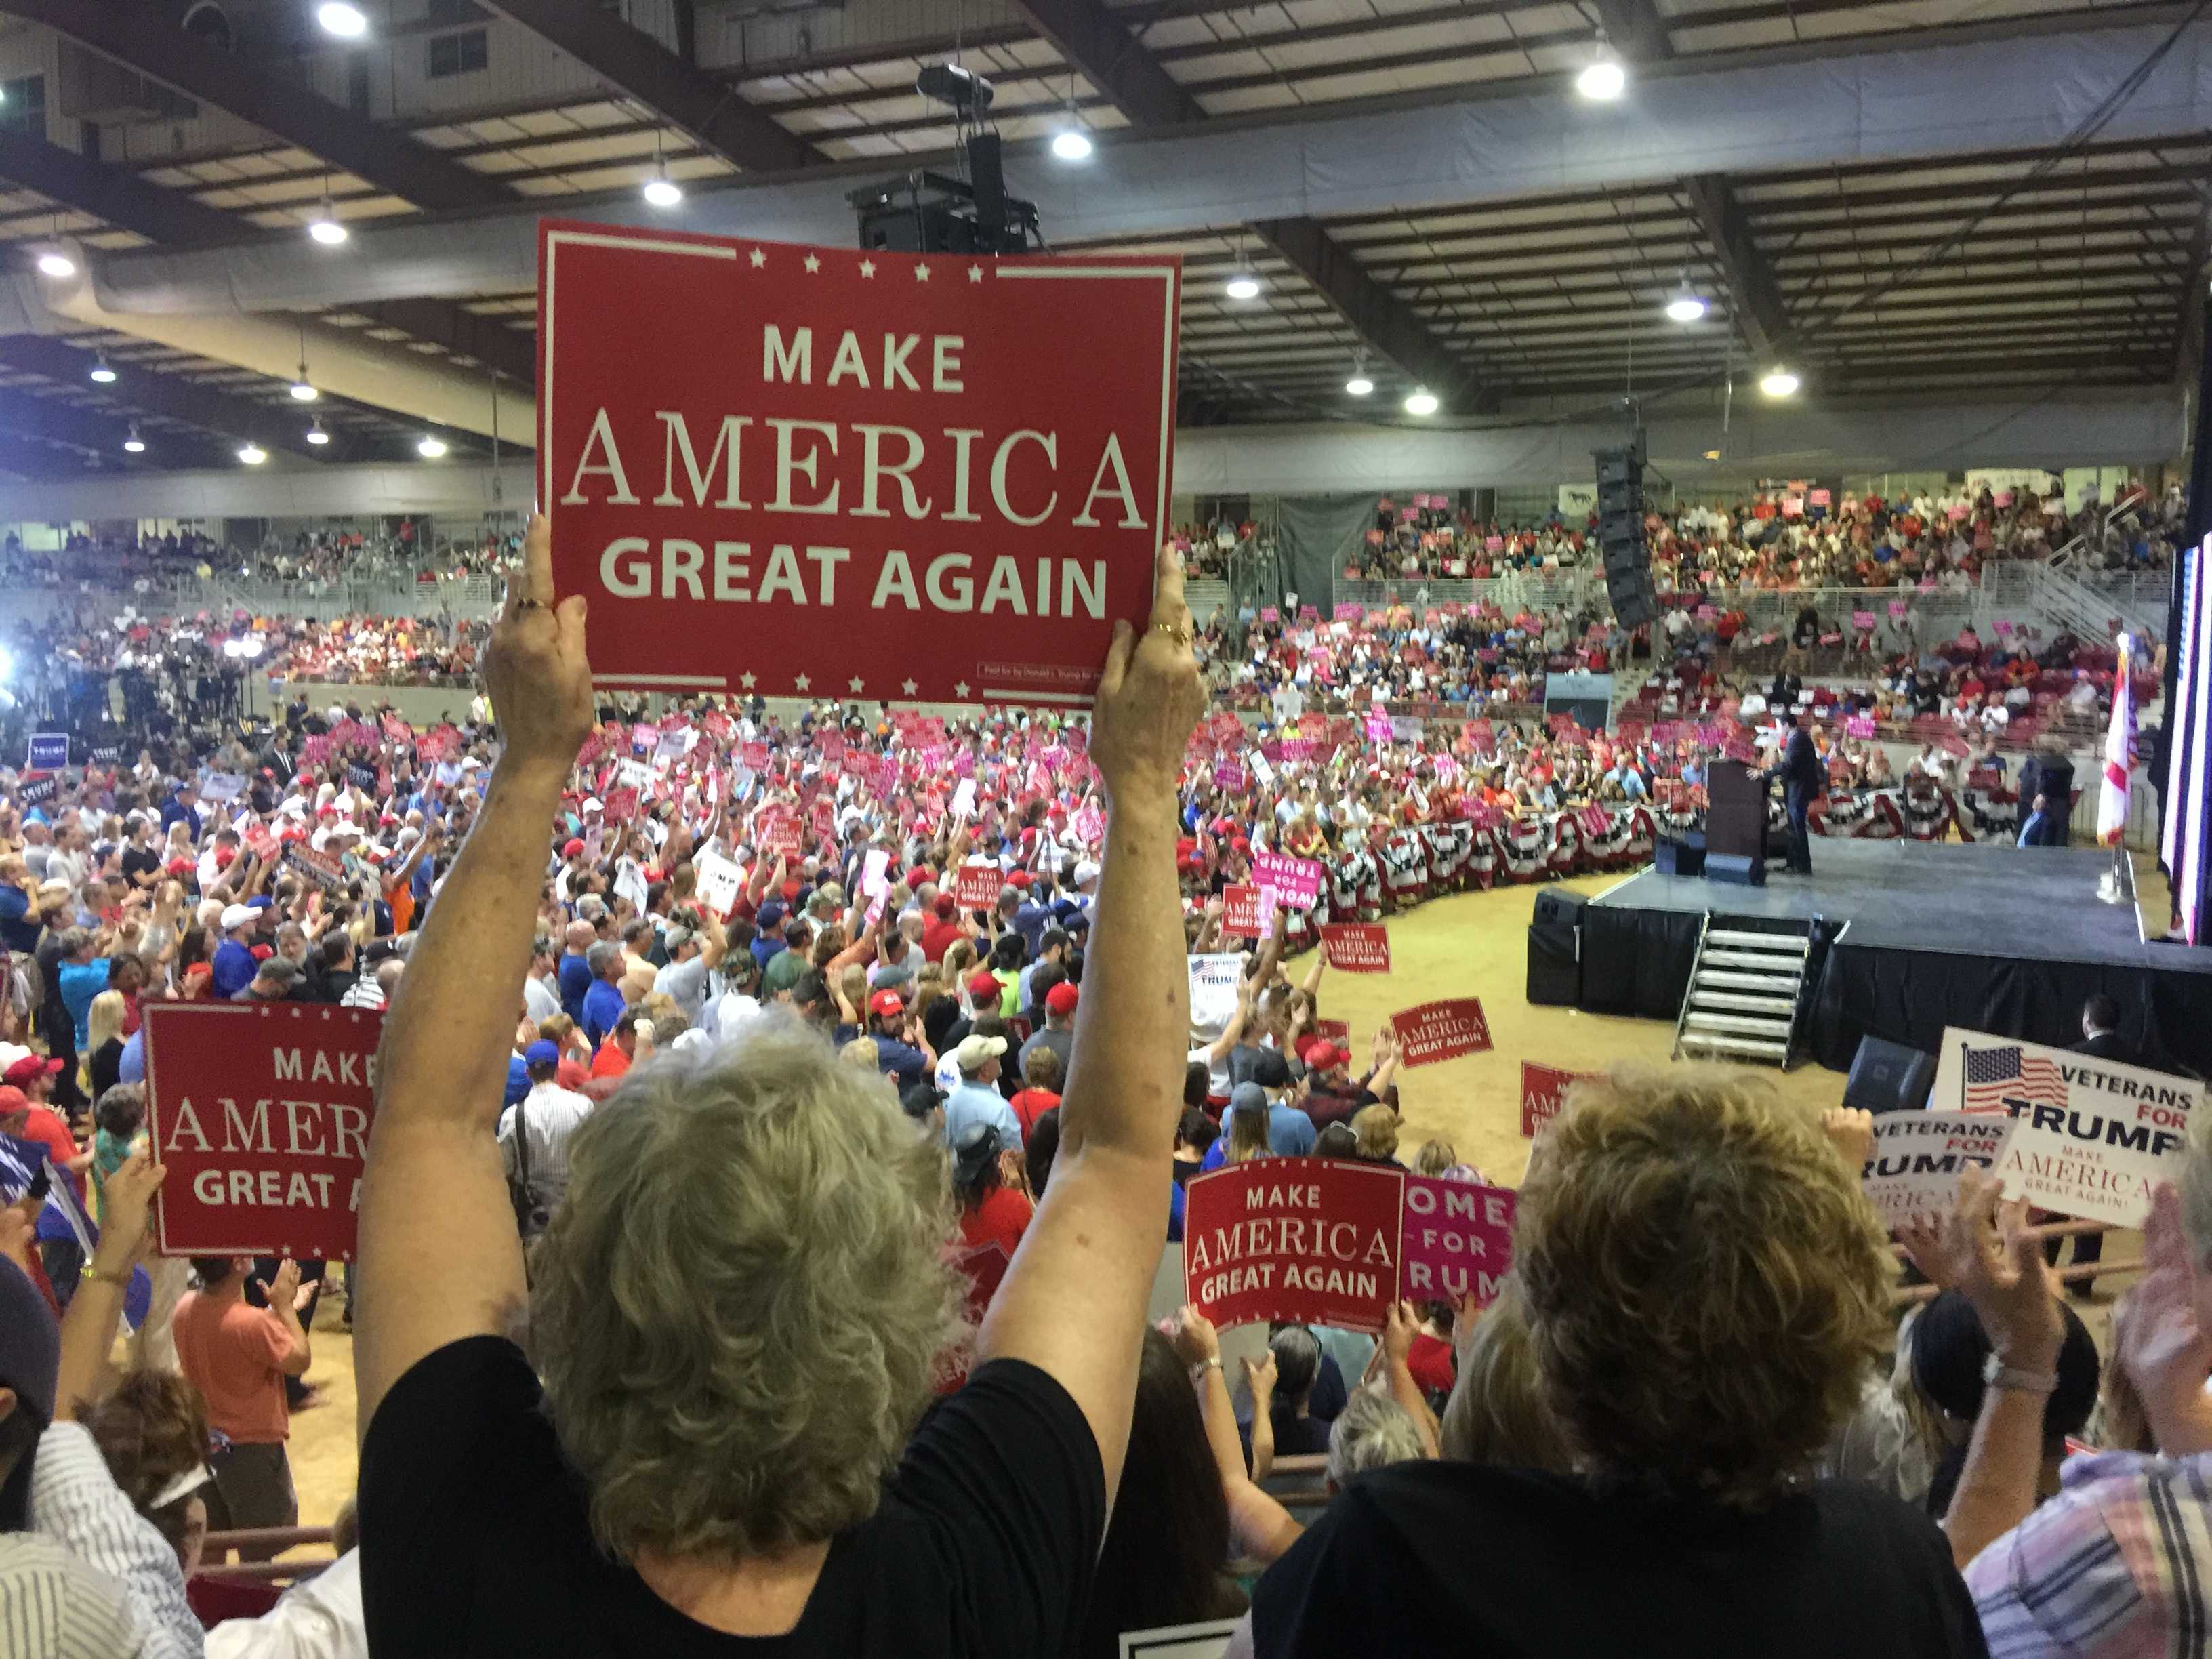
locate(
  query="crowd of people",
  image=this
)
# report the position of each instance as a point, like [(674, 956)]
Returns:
[(1797, 537), (770, 1172), (316, 559)]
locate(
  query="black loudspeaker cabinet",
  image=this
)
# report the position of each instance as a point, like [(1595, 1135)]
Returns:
[(1682, 857), (1558, 911), (1736, 869), (1555, 974), (1888, 1076)]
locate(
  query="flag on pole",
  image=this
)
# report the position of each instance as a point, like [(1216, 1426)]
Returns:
[(2119, 748)]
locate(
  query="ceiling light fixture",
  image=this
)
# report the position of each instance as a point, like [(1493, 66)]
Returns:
[(1072, 142), (1687, 305), (347, 22), (55, 264), (302, 391), (1604, 78), (1242, 286), (1778, 382), (430, 448), (1359, 386), (134, 444), (316, 435), (661, 191), (1421, 401), (254, 454), (100, 371), (326, 227)]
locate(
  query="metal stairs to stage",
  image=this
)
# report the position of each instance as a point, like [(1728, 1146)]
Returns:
[(1747, 995)]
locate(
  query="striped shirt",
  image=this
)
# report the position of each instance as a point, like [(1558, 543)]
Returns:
[(2118, 1565), (55, 1606), (76, 1502)]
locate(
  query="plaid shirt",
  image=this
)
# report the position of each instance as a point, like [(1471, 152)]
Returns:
[(2118, 1565)]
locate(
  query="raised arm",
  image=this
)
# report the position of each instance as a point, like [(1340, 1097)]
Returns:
[(436, 1227), (1259, 1527), (1095, 1240)]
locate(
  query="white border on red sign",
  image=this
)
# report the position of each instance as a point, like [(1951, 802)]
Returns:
[(716, 250)]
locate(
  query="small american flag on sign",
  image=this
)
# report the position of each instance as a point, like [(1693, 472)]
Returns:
[(2002, 1079)]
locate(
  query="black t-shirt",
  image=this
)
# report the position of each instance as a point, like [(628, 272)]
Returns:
[(142, 861), (984, 1543), (1424, 1558)]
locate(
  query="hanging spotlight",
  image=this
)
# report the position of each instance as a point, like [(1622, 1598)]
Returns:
[(134, 444), (1359, 385), (100, 371), (663, 191), (57, 264), (302, 391), (1072, 144), (347, 22), (327, 226), (1604, 78), (1686, 306), (1242, 286), (316, 435), (1778, 382), (254, 454), (1421, 401), (430, 448)]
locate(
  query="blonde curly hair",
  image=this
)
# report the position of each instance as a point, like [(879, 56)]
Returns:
[(736, 1310), (1705, 1285)]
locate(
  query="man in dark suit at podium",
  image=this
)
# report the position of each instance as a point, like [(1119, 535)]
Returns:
[(1802, 780)]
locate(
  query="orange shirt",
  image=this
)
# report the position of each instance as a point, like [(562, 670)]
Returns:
[(230, 1351), (611, 1061), (400, 895)]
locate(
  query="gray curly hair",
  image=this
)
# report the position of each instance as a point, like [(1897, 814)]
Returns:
[(737, 1309)]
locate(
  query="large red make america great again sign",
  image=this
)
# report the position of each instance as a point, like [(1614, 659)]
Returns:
[(821, 471)]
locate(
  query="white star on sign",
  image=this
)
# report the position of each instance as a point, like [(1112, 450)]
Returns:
[(921, 273), (758, 258), (907, 686), (802, 682), (745, 680), (960, 688), (974, 273), (813, 263), (867, 267), (856, 683)]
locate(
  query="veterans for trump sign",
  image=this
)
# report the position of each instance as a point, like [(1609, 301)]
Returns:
[(1918, 1155), (800, 470), (2090, 1137), (261, 1112)]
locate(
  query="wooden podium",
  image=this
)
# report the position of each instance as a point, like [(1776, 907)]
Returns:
[(1735, 823)]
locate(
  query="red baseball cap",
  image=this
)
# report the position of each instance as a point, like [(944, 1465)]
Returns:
[(1325, 1057), (1020, 878), (919, 874), (571, 849), (981, 983), (1060, 999), (887, 1004), (29, 1069), (946, 906)]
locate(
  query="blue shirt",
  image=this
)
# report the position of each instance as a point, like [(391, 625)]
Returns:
[(603, 1007), (19, 929), (1291, 1133), (80, 982), (234, 970), (575, 976), (901, 1060), (133, 1066), (971, 1103)]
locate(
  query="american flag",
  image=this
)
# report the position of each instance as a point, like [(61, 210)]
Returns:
[(2003, 1080)]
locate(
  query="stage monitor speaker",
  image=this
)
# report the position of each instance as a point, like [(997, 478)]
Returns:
[(1737, 869), (1683, 857), (1558, 911), (1555, 975), (1888, 1076)]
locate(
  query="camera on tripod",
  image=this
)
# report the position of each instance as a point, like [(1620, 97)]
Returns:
[(929, 212)]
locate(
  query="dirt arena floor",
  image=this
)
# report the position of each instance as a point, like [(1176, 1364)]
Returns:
[(1467, 944)]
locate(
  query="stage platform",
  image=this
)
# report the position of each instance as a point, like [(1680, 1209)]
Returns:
[(1989, 936)]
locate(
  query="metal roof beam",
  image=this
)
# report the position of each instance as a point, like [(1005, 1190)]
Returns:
[(142, 36), (1755, 297), (208, 408), (1636, 30), (94, 430), (1381, 318), (641, 68), (1097, 43), (461, 332), (116, 194)]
